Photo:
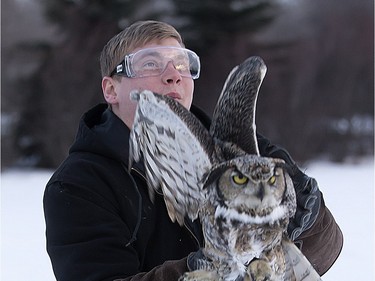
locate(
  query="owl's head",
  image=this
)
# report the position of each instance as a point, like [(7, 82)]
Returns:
[(255, 186)]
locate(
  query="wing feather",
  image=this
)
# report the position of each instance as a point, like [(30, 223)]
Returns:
[(236, 106), (297, 264), (177, 152)]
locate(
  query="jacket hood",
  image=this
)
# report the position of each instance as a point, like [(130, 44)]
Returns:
[(102, 132)]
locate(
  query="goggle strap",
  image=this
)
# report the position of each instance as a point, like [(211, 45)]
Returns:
[(120, 69)]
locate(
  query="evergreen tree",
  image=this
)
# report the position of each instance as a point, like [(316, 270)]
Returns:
[(303, 74)]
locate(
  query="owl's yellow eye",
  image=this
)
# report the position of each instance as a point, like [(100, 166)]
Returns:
[(239, 178), (272, 180)]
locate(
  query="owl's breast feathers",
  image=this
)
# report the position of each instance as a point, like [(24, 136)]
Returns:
[(234, 240), (249, 228)]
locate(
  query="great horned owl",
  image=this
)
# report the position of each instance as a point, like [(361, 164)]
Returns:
[(244, 201)]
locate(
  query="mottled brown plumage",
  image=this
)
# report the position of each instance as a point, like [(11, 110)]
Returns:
[(244, 201)]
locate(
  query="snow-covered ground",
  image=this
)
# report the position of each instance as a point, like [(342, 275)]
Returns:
[(348, 191)]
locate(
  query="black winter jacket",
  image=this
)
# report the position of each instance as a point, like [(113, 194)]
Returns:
[(101, 224)]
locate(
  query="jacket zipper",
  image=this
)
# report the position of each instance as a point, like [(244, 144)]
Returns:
[(192, 234), (139, 173), (160, 193)]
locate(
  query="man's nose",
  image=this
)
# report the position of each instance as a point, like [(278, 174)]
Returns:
[(171, 74)]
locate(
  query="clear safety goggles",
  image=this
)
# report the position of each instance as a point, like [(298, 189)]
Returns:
[(153, 61)]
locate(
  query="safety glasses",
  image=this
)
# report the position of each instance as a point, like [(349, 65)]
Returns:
[(153, 61)]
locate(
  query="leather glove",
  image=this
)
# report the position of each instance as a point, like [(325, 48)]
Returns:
[(307, 191), (197, 260), (308, 204)]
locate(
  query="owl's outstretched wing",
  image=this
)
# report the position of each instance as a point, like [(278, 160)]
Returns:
[(297, 264), (177, 151), (236, 106)]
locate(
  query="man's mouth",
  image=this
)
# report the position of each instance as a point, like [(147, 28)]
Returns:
[(174, 95)]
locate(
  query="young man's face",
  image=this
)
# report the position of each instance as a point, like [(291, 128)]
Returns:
[(170, 82)]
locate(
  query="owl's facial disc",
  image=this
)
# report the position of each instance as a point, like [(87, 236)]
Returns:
[(242, 192)]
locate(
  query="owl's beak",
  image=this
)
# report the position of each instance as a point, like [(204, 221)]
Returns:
[(260, 193)]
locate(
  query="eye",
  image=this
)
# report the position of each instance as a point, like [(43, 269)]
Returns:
[(150, 65), (147, 63), (272, 180), (239, 178)]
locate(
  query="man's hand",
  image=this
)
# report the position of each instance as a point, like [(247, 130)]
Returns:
[(308, 204), (197, 260)]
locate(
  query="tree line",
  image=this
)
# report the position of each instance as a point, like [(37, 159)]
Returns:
[(316, 100)]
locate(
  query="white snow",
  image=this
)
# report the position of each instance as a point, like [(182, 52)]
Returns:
[(348, 191)]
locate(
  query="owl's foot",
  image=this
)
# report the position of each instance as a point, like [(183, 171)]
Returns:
[(199, 275), (260, 270)]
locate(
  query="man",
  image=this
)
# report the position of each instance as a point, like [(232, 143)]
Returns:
[(101, 224)]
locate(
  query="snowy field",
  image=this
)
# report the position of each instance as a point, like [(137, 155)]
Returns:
[(348, 191)]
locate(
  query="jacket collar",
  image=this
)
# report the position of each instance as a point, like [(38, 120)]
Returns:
[(103, 132)]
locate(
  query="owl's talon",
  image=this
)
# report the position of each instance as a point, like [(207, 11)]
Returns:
[(260, 270), (199, 275)]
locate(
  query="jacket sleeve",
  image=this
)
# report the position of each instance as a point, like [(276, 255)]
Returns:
[(86, 239), (322, 243)]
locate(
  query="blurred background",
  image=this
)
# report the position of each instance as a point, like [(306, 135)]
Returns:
[(317, 99)]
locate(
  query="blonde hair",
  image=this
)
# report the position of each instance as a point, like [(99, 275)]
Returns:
[(136, 35)]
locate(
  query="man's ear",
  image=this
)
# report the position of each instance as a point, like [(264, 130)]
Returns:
[(109, 90)]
